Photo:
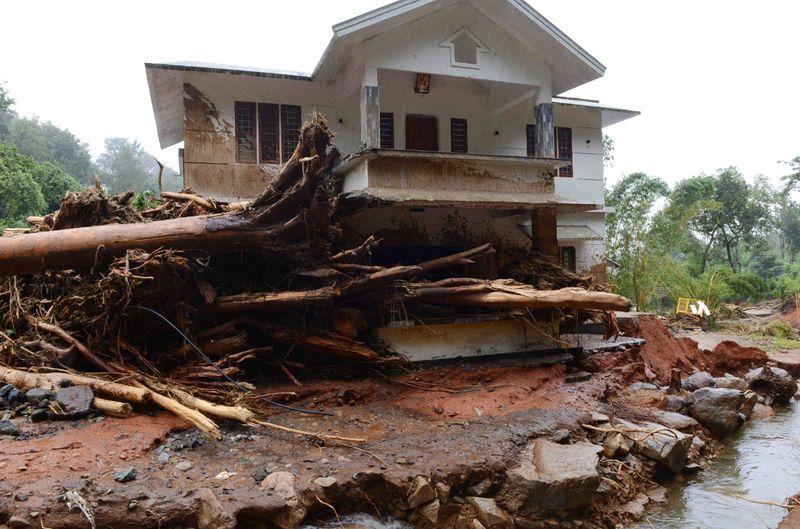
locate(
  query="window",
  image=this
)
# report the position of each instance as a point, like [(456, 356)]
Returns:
[(568, 257), (458, 135), (387, 130), (564, 149), (530, 140), (245, 132), (266, 132)]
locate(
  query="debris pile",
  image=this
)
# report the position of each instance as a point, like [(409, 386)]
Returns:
[(178, 304)]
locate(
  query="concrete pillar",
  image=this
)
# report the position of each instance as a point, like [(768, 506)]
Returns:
[(370, 110), (545, 131)]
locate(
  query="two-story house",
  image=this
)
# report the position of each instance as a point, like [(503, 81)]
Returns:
[(448, 119)]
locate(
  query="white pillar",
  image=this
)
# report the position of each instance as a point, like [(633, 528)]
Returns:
[(370, 110)]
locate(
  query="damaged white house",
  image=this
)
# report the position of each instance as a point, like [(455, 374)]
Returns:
[(448, 121)]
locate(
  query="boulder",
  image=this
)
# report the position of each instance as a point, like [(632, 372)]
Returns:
[(550, 477), (675, 403), (75, 400), (420, 492), (210, 512), (730, 382), (617, 444), (772, 382), (489, 514), (431, 511), (717, 409), (697, 381), (678, 421), (750, 401), (37, 396), (281, 486), (8, 427), (668, 447)]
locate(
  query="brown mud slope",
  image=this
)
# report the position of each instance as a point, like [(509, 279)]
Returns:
[(663, 351)]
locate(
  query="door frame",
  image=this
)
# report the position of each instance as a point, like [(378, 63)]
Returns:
[(435, 129)]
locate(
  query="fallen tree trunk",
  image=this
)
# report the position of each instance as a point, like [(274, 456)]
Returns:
[(275, 220), (53, 381)]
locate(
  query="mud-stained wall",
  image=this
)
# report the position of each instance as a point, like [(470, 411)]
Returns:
[(590, 255)]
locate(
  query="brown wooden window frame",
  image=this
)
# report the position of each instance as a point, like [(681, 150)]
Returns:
[(275, 124), (455, 145), (572, 257), (386, 127), (564, 147), (530, 140)]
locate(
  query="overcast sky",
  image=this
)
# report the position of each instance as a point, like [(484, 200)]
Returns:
[(716, 81)]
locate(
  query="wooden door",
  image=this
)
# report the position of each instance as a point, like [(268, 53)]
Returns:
[(422, 133)]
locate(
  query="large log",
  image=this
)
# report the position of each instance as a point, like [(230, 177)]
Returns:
[(284, 213)]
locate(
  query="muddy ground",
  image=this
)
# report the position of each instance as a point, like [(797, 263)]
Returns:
[(456, 425)]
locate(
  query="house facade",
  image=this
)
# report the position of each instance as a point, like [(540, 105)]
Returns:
[(448, 121)]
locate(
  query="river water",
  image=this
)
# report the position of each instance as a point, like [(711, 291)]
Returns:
[(760, 462)]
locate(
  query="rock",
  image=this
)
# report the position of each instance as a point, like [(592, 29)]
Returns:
[(225, 474), (598, 418), (675, 403), (750, 401), (18, 522), (9, 427), (281, 485), (37, 396), (697, 381), (636, 506), (730, 382), (21, 496), (480, 489), (657, 494), (258, 474), (420, 492), (125, 474), (692, 468), (326, 482), (551, 477), (678, 421), (431, 511), (15, 396), (668, 448), (699, 444), (75, 400), (183, 466), (643, 386), (489, 514), (761, 412), (717, 409), (4, 389), (40, 414), (578, 376), (210, 512), (443, 492), (476, 524), (616, 445), (561, 437), (772, 382)]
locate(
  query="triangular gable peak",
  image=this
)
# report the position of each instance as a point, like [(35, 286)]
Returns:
[(465, 48)]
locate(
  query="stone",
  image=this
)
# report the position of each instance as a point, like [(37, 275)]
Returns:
[(617, 444), (421, 492), (183, 466), (75, 400), (258, 474), (281, 485), (677, 421), (692, 468), (124, 475), (717, 409), (598, 418), (636, 506), (210, 512), (550, 477), (578, 376), (443, 492), (4, 389), (562, 437), (489, 514), (431, 511), (40, 414), (21, 496), (675, 403), (18, 522), (38, 396), (772, 382), (697, 381), (476, 524), (668, 448), (643, 386), (699, 444), (750, 401), (9, 427), (326, 482), (480, 489), (730, 382), (15, 396), (657, 494)]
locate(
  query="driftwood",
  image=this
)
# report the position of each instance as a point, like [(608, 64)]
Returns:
[(112, 407), (274, 217), (53, 381)]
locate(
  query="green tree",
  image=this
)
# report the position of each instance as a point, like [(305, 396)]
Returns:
[(54, 183), (20, 195), (125, 165), (628, 233)]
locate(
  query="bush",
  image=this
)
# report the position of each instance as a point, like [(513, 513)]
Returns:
[(780, 329), (54, 183)]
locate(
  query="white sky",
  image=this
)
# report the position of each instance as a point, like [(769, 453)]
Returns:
[(716, 81)]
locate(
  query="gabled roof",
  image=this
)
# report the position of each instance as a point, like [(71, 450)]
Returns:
[(572, 65)]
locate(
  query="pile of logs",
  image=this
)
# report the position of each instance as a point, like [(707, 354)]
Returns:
[(192, 303)]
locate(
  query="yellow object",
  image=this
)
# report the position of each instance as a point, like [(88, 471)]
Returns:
[(683, 306)]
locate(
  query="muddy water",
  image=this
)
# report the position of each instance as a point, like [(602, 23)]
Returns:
[(762, 462)]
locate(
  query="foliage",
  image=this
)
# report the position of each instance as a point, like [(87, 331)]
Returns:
[(125, 165), (780, 329), (20, 194), (608, 151), (145, 200), (54, 183)]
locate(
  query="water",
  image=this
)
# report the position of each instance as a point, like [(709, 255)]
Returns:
[(760, 462), (361, 521)]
